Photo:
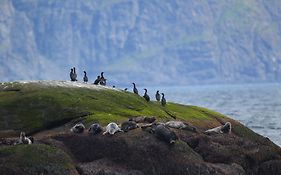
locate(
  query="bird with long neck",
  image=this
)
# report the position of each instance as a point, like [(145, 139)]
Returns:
[(163, 100), (97, 81), (74, 74), (71, 75), (145, 96), (135, 90), (85, 78), (157, 96), (102, 79)]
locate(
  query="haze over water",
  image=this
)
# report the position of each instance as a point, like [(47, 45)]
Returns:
[(258, 106)]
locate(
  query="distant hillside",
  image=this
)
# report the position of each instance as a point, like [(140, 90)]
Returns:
[(155, 41)]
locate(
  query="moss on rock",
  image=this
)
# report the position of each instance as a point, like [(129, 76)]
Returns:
[(34, 159)]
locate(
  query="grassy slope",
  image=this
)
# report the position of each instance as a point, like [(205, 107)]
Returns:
[(33, 107)]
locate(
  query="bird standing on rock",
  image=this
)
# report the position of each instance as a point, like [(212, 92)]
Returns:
[(71, 75), (145, 96), (102, 79), (74, 74), (97, 81), (103, 83), (157, 96), (135, 89), (163, 100), (85, 78)]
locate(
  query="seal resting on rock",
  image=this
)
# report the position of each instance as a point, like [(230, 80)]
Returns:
[(180, 125), (78, 128), (24, 140), (226, 128), (95, 129), (129, 125), (112, 128), (164, 133), (143, 119)]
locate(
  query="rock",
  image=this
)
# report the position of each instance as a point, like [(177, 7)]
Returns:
[(105, 167), (270, 167), (230, 149)]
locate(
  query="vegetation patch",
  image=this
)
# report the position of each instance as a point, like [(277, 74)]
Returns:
[(34, 159), (35, 106)]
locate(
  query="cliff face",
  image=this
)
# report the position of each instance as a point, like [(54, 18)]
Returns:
[(183, 41)]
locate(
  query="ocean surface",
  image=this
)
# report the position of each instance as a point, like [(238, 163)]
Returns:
[(258, 106)]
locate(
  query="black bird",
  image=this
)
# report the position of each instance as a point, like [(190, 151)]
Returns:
[(157, 96), (71, 75), (74, 74), (135, 89), (102, 79), (163, 100), (85, 78), (125, 89), (103, 82), (97, 81), (145, 96)]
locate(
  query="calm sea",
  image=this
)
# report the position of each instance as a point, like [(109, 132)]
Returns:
[(258, 106)]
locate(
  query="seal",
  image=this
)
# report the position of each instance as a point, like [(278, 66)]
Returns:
[(143, 119), (95, 128), (129, 125), (180, 125), (226, 128), (23, 139), (78, 128), (112, 128), (164, 133)]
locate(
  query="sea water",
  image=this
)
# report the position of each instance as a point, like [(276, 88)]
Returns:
[(257, 106)]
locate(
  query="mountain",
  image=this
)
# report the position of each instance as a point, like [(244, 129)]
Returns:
[(149, 42)]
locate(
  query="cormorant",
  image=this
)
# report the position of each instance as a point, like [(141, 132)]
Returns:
[(163, 100), (102, 79), (103, 82), (135, 89), (85, 77), (74, 74), (145, 96), (157, 96), (125, 89), (97, 81), (71, 75)]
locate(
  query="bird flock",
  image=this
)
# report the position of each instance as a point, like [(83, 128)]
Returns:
[(101, 80), (161, 130)]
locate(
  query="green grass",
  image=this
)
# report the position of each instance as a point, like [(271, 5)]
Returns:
[(34, 159), (32, 107)]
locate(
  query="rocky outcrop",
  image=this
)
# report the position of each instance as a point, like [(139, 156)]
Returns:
[(50, 109)]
